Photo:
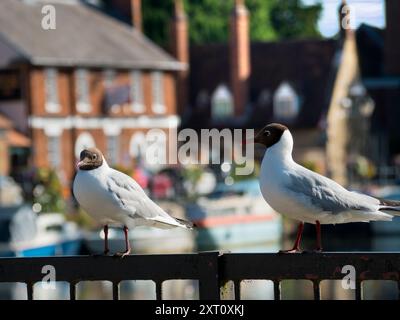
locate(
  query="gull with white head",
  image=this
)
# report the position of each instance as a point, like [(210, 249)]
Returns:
[(308, 197)]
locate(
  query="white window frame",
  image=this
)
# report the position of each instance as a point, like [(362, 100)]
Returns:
[(157, 89), (286, 103), (84, 140), (82, 91), (113, 149), (136, 91), (109, 76), (52, 103), (222, 103), (54, 151)]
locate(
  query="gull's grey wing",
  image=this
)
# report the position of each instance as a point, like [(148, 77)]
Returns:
[(326, 194), (134, 201)]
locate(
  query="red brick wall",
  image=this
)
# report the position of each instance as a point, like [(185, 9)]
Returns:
[(66, 93)]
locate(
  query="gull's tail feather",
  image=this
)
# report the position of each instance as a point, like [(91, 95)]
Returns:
[(390, 205), (187, 224)]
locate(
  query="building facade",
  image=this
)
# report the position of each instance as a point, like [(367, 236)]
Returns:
[(92, 81)]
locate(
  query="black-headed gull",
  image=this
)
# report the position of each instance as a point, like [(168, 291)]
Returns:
[(309, 197), (111, 196)]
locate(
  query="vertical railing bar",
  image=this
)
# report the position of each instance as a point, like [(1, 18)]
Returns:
[(115, 286), (317, 289), (277, 290), (159, 290), (72, 291), (358, 290), (236, 286), (398, 290), (29, 290)]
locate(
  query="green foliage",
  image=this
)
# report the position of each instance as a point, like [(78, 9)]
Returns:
[(209, 20), (157, 15), (292, 20), (48, 191)]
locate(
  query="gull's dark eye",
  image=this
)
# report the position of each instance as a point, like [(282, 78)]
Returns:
[(94, 157), (267, 133)]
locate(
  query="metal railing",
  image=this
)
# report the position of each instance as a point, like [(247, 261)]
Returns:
[(212, 269)]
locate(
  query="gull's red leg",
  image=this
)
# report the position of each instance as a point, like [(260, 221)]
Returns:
[(127, 244), (296, 247), (319, 242), (105, 230)]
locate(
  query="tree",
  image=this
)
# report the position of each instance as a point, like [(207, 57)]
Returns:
[(209, 20), (290, 19)]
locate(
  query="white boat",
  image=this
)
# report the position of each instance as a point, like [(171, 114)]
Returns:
[(234, 216), (145, 240), (23, 233)]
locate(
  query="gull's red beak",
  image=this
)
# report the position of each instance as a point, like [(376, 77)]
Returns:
[(78, 164)]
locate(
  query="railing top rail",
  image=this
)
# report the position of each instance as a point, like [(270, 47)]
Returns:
[(212, 269), (311, 266), (134, 267)]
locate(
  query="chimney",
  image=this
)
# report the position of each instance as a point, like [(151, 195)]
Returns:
[(136, 14), (392, 43), (239, 55), (180, 50)]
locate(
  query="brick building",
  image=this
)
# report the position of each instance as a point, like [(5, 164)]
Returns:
[(90, 81)]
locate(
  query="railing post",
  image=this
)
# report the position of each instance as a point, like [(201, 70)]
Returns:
[(209, 276)]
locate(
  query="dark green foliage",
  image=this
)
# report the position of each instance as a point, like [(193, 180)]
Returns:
[(209, 20), (290, 19)]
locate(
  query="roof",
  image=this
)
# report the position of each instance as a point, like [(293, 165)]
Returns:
[(17, 139), (83, 37), (5, 123), (12, 136), (307, 65)]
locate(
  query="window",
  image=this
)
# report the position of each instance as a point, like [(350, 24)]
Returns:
[(84, 140), (112, 149), (54, 151), (221, 102), (286, 103), (137, 145), (52, 103), (109, 77), (136, 92), (82, 91), (158, 92)]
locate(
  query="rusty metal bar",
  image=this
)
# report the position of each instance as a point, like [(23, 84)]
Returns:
[(358, 290), (316, 289), (29, 290), (115, 286), (277, 290), (72, 291), (158, 290), (209, 273), (236, 286), (398, 290)]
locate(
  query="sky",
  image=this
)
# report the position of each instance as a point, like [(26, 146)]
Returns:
[(364, 11)]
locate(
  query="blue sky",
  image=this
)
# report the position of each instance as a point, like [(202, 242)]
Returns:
[(367, 11)]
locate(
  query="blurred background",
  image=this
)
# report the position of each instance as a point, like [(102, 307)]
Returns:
[(103, 73)]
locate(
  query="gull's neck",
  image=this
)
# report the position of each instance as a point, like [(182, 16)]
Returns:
[(282, 150)]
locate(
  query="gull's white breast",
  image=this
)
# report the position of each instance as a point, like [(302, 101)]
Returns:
[(274, 178), (91, 190)]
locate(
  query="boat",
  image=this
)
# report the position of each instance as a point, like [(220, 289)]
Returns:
[(387, 228), (143, 239), (234, 216), (24, 233)]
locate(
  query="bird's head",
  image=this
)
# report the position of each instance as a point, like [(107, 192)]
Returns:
[(270, 134), (89, 159)]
